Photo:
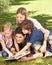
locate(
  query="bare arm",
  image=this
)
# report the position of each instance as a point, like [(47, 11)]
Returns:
[(45, 32), (16, 45), (4, 47), (24, 49)]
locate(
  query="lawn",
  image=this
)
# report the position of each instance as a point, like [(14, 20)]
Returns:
[(39, 9)]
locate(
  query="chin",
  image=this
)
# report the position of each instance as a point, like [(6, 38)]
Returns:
[(19, 42)]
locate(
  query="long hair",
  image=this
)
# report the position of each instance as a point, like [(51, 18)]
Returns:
[(22, 11)]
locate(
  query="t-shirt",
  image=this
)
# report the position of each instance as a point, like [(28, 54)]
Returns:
[(21, 45), (35, 36), (35, 22), (8, 42)]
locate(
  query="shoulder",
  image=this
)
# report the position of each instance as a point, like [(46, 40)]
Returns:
[(32, 19), (1, 35), (13, 33)]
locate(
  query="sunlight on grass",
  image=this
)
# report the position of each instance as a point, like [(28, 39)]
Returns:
[(41, 6)]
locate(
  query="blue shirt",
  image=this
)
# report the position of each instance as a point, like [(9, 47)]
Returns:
[(35, 36)]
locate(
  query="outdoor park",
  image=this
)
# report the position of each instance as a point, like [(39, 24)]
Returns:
[(38, 9)]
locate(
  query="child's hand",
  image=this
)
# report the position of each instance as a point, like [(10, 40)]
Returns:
[(10, 55), (16, 55)]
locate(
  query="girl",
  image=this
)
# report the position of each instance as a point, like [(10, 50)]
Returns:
[(6, 40)]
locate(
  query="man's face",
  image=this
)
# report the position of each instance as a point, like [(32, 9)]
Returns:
[(20, 38)]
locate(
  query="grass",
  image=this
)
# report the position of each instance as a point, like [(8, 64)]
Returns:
[(39, 61), (39, 9)]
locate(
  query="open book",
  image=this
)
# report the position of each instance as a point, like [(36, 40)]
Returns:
[(17, 58)]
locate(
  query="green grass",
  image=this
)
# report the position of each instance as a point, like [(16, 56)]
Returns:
[(39, 61), (39, 9)]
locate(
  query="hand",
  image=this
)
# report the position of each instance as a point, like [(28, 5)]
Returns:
[(43, 48), (10, 55)]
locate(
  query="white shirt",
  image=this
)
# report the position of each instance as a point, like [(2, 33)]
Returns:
[(35, 22)]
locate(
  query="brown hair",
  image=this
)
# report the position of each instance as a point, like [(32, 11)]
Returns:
[(6, 26), (28, 24), (23, 11)]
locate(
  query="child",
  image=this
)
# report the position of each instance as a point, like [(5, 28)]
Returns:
[(21, 15), (6, 40), (35, 39)]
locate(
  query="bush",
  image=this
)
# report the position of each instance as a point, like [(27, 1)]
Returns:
[(4, 4)]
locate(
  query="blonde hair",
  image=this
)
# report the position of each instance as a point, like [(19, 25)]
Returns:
[(22, 11), (6, 26)]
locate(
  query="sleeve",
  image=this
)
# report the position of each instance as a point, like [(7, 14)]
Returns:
[(1, 38), (33, 38), (36, 23)]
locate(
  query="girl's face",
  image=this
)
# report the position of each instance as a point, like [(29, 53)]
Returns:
[(25, 31), (7, 33), (20, 18), (20, 38)]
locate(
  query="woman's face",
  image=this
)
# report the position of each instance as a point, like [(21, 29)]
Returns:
[(20, 38), (20, 18)]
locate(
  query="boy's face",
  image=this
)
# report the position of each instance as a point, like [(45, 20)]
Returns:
[(20, 38), (25, 31), (7, 33), (20, 18)]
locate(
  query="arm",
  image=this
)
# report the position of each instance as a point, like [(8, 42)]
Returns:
[(46, 33), (24, 49), (4, 48), (16, 45)]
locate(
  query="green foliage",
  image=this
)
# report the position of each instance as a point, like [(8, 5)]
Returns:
[(4, 4)]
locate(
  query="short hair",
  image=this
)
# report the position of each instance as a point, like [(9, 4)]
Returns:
[(18, 30), (28, 24), (6, 26)]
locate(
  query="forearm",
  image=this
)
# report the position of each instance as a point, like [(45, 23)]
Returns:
[(4, 47), (24, 49), (20, 52), (46, 34), (16, 45)]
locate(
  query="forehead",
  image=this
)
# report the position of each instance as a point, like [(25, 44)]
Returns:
[(7, 30), (19, 14), (19, 35)]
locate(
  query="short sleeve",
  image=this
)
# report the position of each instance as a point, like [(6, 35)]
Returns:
[(36, 36), (36, 23), (1, 37), (33, 39)]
